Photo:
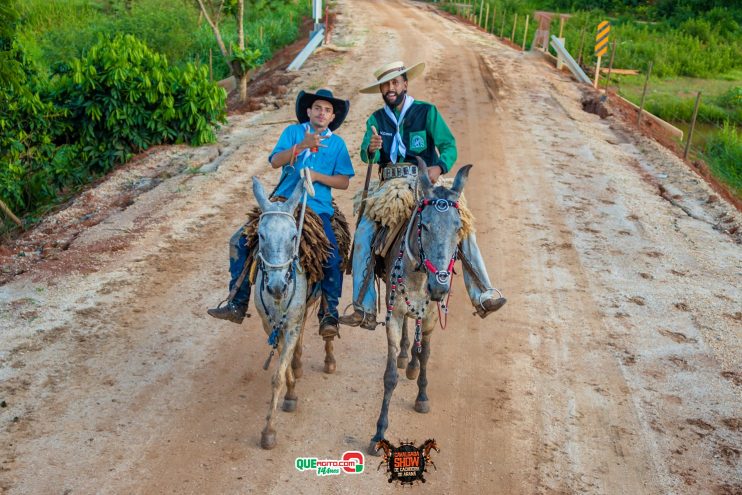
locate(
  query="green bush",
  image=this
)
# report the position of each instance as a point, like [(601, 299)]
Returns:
[(724, 156), (122, 98)]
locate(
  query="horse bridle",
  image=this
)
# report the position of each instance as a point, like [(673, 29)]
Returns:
[(441, 205)]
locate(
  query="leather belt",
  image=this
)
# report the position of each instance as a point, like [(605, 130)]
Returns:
[(394, 171)]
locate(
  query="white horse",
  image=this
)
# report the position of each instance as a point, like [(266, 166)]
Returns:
[(281, 298), (419, 268)]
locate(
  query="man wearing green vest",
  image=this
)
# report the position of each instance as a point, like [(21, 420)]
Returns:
[(397, 133)]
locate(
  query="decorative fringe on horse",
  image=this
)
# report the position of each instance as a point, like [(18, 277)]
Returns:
[(393, 202), (314, 249)]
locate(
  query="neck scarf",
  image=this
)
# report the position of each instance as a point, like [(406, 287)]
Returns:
[(398, 147)]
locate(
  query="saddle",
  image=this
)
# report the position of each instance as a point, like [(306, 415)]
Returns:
[(390, 204), (314, 249)]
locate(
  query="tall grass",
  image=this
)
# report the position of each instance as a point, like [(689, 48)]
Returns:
[(53, 31), (724, 156)]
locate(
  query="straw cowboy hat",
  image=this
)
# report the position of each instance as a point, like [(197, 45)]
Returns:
[(390, 71), (306, 100)]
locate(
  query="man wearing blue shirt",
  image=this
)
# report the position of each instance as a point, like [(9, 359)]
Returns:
[(308, 144)]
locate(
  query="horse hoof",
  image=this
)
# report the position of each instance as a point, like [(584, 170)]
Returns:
[(298, 372), (372, 449), (289, 405), (330, 367), (412, 372), (402, 362), (422, 406), (268, 439)]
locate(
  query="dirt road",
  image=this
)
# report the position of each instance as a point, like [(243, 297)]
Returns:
[(614, 368)]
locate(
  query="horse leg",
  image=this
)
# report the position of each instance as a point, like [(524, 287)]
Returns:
[(296, 365), (413, 368), (421, 402), (290, 399), (402, 359), (393, 334), (329, 356), (268, 435)]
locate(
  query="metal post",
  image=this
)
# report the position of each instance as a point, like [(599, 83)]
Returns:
[(610, 66), (692, 125), (327, 25), (597, 72), (515, 22), (525, 35), (644, 93)]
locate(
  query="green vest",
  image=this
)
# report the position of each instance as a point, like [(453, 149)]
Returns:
[(415, 135)]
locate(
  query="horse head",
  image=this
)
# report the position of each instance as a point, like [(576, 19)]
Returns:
[(428, 445), (438, 225), (277, 242)]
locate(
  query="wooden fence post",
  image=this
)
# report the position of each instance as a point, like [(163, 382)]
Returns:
[(479, 18), (692, 126), (502, 25), (644, 94), (525, 34), (487, 19), (515, 23), (610, 66)]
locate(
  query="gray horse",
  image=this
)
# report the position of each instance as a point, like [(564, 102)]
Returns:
[(419, 269), (281, 298)]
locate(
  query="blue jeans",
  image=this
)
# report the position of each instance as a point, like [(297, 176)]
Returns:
[(331, 284), (362, 257)]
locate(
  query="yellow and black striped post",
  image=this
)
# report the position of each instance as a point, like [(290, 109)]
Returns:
[(601, 46)]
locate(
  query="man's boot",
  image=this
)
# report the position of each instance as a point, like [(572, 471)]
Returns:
[(359, 318), (230, 312), (328, 328), (490, 306)]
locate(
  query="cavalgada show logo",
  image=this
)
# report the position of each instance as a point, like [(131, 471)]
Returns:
[(407, 464), (351, 463)]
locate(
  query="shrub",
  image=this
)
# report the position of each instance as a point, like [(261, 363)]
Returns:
[(122, 98), (724, 156)]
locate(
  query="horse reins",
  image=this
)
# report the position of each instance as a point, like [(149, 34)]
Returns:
[(441, 276)]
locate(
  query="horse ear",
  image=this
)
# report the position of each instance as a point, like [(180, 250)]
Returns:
[(461, 177), (293, 201), (423, 177), (260, 196)]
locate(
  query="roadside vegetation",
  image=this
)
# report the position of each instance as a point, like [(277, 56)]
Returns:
[(694, 45), (87, 84)]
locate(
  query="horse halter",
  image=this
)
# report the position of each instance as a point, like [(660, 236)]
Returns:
[(441, 206), (294, 256)]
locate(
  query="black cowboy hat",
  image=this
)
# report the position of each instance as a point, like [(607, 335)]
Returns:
[(306, 100)]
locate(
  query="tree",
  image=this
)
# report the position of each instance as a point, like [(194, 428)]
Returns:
[(239, 59)]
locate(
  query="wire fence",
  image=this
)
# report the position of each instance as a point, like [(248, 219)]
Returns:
[(702, 119)]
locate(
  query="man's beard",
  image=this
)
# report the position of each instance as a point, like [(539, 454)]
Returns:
[(397, 101)]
